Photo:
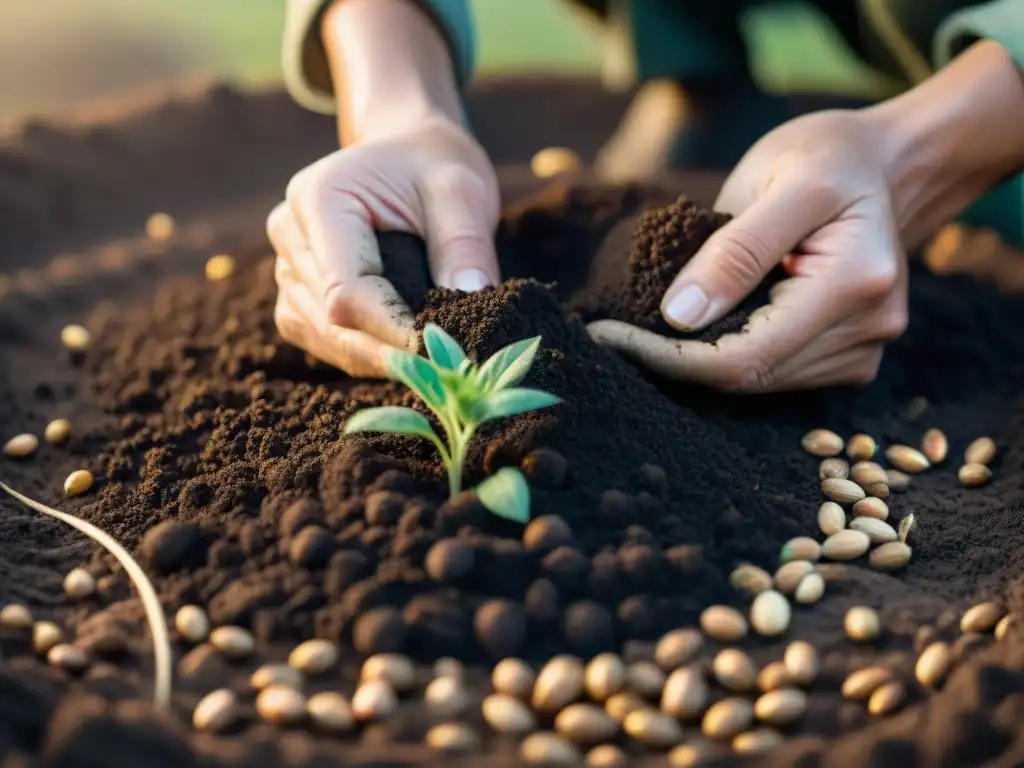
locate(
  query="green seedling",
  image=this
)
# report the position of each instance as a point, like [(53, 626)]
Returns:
[(462, 395)]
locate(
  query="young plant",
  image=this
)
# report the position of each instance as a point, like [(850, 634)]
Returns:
[(462, 395)]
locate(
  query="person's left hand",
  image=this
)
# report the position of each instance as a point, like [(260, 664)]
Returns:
[(812, 195)]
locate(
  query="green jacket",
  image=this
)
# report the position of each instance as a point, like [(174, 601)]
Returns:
[(908, 39)]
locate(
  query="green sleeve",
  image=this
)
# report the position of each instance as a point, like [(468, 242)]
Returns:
[(304, 61)]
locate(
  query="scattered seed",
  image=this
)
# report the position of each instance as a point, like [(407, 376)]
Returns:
[(907, 459), (907, 525), (871, 507), (233, 642), (314, 657), (677, 648), (842, 491), (846, 545), (925, 635), (15, 616), (725, 718), (559, 683), (800, 548), (896, 480), (394, 668), (686, 693), (374, 700), (552, 161), (878, 532), (607, 756), (801, 662), (877, 491), (839, 468), (622, 703), (974, 475), (750, 579), (585, 724), (216, 711), (773, 675), (967, 644), (862, 624), (810, 589), (652, 727), (982, 617), (756, 742), (604, 676), (822, 442), (934, 446), (933, 664), (861, 447), (446, 696), (887, 698), (275, 674), (549, 749), (281, 705), (159, 226), (57, 432), (78, 482), (891, 556), (330, 712), (720, 622), (192, 623), (448, 667), (861, 684), (513, 677), (46, 635), (789, 576), (79, 584), (770, 613), (452, 737), (645, 679), (831, 518), (21, 446), (695, 753), (781, 706), (508, 714), (75, 338), (981, 451), (868, 473), (67, 657), (734, 670), (219, 267), (1003, 626)]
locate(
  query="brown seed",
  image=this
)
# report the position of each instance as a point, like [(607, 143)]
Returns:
[(696, 753), (45, 635), (750, 579), (723, 623), (585, 724), (725, 718), (550, 750), (862, 624), (839, 468), (685, 695), (507, 714), (878, 532), (756, 742), (192, 623), (216, 711), (559, 683), (907, 525), (887, 698), (79, 584), (57, 432), (934, 446), (21, 446), (867, 473), (330, 712), (982, 617), (810, 589), (275, 674), (872, 507), (842, 491), (1004, 626), (782, 706), (877, 490), (677, 648), (770, 613), (622, 703), (831, 518), (974, 475), (374, 700), (846, 545), (67, 657), (607, 756), (446, 696), (907, 459), (800, 548), (861, 684), (981, 451), (891, 556), (452, 737), (394, 668), (734, 670), (513, 677), (314, 657), (645, 679), (801, 662), (604, 676), (789, 576), (75, 338), (233, 642), (967, 644), (77, 483), (649, 726), (448, 667), (772, 676), (15, 616), (925, 635), (933, 664), (822, 442), (896, 480), (281, 704), (861, 447), (552, 161)]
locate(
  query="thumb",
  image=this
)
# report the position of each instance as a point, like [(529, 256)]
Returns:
[(462, 215), (737, 257)]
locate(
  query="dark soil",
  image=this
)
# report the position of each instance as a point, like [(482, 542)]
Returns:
[(222, 465)]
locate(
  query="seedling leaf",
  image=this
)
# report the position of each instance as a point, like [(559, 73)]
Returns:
[(419, 375), (509, 402), (506, 494), (509, 365), (444, 351), (389, 418)]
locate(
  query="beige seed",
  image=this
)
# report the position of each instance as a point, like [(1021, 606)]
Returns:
[(887, 698), (896, 480), (78, 482), (275, 674), (604, 676), (878, 532), (934, 446), (810, 589), (396, 669), (846, 545), (933, 664), (974, 475), (772, 676), (622, 703), (800, 548), (831, 518), (446, 696), (861, 447), (842, 491), (585, 724), (216, 711), (982, 617), (330, 712), (552, 161), (981, 451), (734, 670), (801, 662), (314, 657), (219, 267), (645, 679), (696, 753), (559, 683), (192, 623), (1004, 626), (652, 727), (781, 706), (374, 700), (907, 525), (686, 693), (677, 648), (607, 756), (789, 576), (822, 442), (281, 705), (79, 584), (46, 635), (877, 491), (550, 750), (448, 667), (871, 507), (839, 468), (67, 657), (57, 432), (507, 714), (233, 642), (725, 718), (861, 684), (513, 677), (159, 226), (891, 556), (452, 737), (868, 473), (756, 742), (21, 446), (907, 459), (720, 622), (750, 579), (770, 613), (862, 624), (75, 338), (15, 616)]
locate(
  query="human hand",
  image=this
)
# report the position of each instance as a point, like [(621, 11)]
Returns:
[(434, 181), (812, 195)]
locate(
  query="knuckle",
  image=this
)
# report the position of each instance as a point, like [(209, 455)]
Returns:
[(894, 324), (751, 373), (276, 221), (289, 326), (867, 372), (876, 282)]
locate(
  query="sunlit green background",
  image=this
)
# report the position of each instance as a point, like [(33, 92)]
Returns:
[(57, 53)]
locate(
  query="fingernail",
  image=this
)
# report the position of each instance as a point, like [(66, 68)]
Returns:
[(470, 280), (688, 307)]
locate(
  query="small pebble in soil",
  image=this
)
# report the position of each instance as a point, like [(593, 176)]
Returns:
[(549, 749), (773, 675), (585, 724), (810, 589), (654, 728), (607, 756), (380, 630), (934, 664), (216, 711), (311, 547), (861, 447), (508, 715), (67, 657), (589, 628), (449, 560), (374, 700), (801, 662), (723, 623), (980, 451), (57, 432), (734, 670), (545, 468), (446, 696), (384, 508), (234, 642), (75, 338), (330, 712), (677, 648), (219, 267), (393, 668), (726, 718), (862, 624), (452, 737), (275, 674), (173, 544), (500, 627), (314, 657), (513, 677), (974, 475), (546, 533), (281, 705), (604, 676), (887, 698), (192, 624), (159, 226), (46, 635), (861, 684), (21, 446), (559, 683), (686, 693), (781, 706), (79, 584)]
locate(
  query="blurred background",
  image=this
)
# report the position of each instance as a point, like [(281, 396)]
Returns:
[(57, 54)]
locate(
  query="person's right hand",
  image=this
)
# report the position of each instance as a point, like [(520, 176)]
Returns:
[(434, 181)]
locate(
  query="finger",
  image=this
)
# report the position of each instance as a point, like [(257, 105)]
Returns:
[(371, 304), (283, 231), (671, 358), (736, 258), (460, 230)]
